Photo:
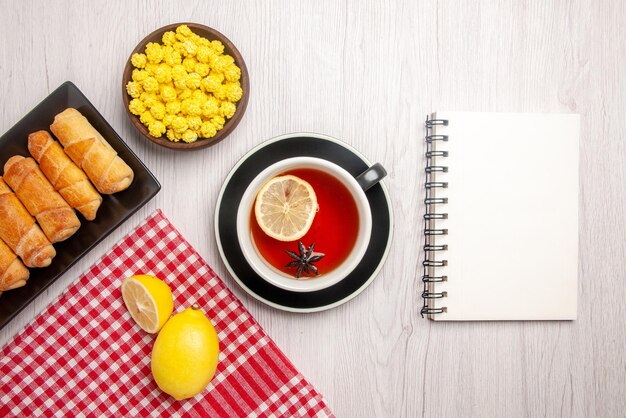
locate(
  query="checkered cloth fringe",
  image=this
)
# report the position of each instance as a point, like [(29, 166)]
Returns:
[(84, 355)]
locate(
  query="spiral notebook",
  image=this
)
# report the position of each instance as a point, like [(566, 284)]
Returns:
[(501, 216)]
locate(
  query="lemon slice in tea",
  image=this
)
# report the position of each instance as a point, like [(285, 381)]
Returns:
[(285, 207), (148, 300)]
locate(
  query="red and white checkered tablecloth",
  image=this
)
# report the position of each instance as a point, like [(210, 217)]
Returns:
[(85, 356)]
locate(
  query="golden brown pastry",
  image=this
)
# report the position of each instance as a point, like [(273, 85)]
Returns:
[(91, 152), (20, 232), (66, 178), (56, 218), (13, 274)]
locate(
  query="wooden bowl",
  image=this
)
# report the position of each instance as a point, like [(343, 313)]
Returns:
[(229, 48)]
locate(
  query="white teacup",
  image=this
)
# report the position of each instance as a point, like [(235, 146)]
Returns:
[(356, 187)]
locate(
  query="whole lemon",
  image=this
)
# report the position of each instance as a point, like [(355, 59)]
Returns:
[(185, 354)]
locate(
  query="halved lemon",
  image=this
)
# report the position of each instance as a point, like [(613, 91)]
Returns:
[(285, 207), (148, 300)]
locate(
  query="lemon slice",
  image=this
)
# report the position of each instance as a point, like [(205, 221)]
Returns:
[(285, 207), (148, 300)]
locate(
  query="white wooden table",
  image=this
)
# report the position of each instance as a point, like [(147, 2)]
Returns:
[(368, 73)]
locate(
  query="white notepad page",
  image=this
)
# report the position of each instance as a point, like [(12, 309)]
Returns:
[(512, 216)]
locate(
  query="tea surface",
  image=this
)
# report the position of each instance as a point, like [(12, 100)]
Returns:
[(334, 229)]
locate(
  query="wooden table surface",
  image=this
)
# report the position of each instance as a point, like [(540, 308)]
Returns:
[(368, 73)]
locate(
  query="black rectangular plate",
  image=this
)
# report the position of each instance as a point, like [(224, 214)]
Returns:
[(115, 209)]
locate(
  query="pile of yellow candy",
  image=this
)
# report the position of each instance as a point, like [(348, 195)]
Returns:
[(185, 88)]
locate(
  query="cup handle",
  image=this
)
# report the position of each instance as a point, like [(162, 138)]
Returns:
[(371, 176)]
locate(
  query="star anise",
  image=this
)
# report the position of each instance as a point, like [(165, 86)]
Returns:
[(304, 261)]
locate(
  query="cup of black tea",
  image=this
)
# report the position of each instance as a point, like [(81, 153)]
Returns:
[(304, 223)]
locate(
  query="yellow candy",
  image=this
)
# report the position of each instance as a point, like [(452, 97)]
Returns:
[(232, 73), (204, 54), (190, 48), (184, 106), (217, 46), (191, 107), (158, 110), (178, 72), (134, 89), (184, 94), (185, 87), (163, 74), (146, 117), (193, 81), (205, 84), (151, 67), (217, 76), (210, 107), (173, 107), (156, 128), (168, 93), (184, 30), (189, 64), (151, 85), (181, 83), (190, 136), (172, 58), (228, 109), (233, 91), (166, 50), (195, 38), (208, 130), (154, 52), (213, 82), (222, 62), (168, 119), (171, 135), (194, 123), (169, 38), (199, 95), (179, 124), (179, 47), (221, 92), (136, 107), (139, 75), (202, 69), (138, 60), (218, 121), (149, 99), (195, 110)]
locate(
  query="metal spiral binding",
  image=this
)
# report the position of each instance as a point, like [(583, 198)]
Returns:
[(430, 231)]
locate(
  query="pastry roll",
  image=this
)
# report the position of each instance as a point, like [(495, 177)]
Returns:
[(20, 232), (13, 274), (66, 178), (91, 152), (56, 218)]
